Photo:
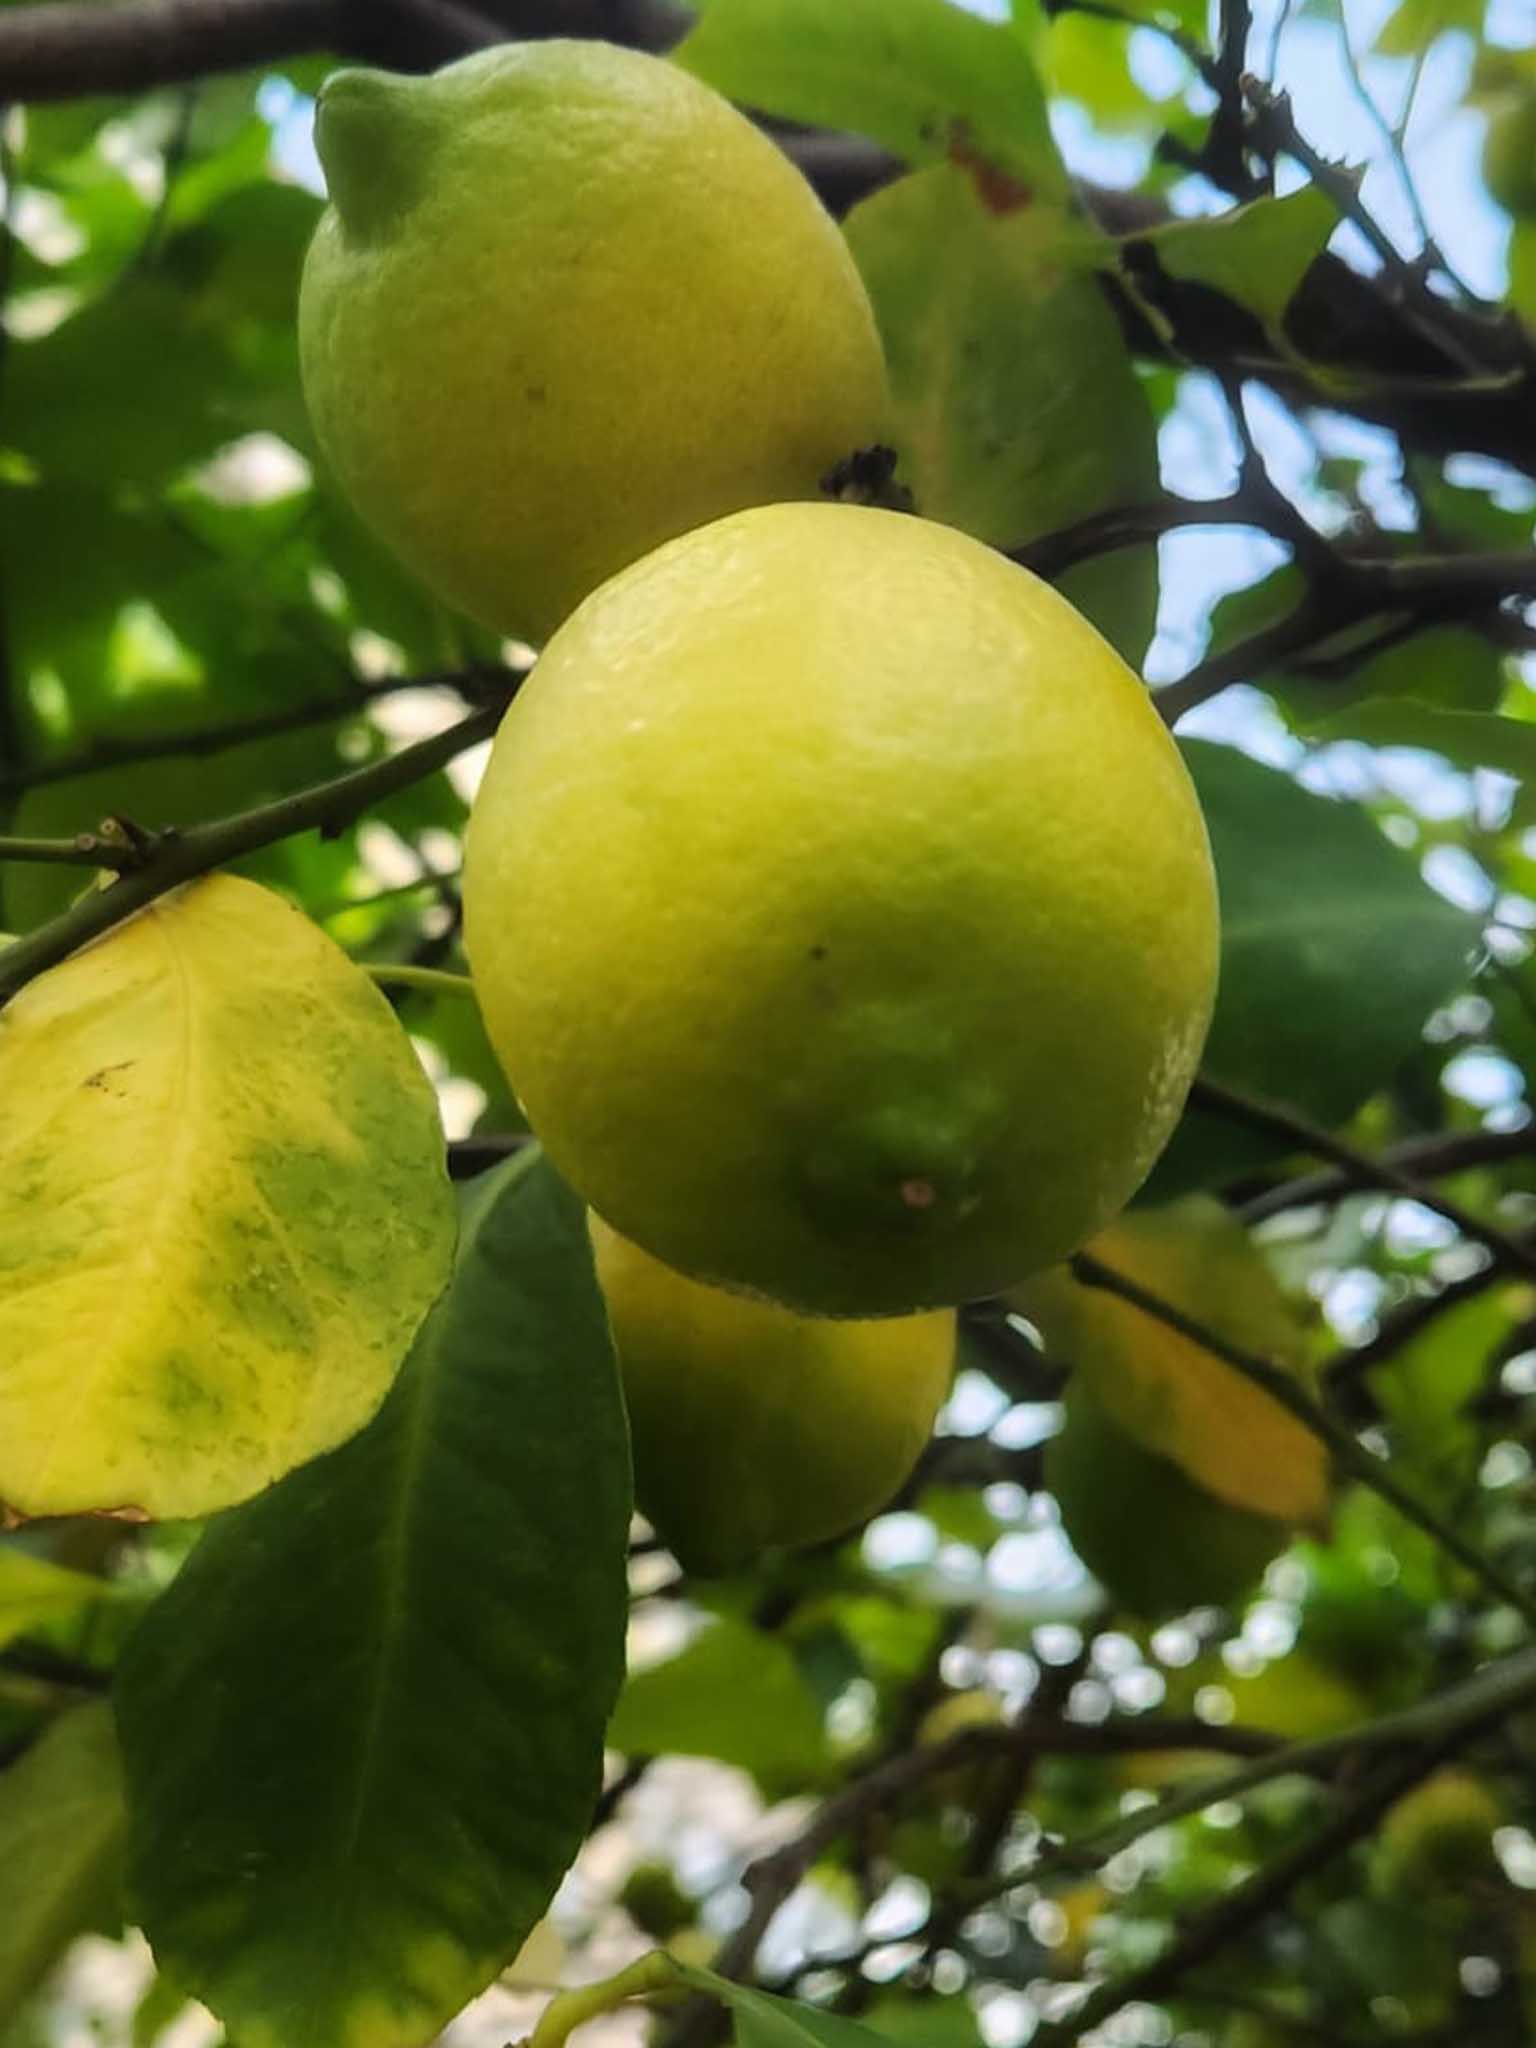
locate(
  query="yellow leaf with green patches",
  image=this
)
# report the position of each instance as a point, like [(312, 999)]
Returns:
[(223, 1208)]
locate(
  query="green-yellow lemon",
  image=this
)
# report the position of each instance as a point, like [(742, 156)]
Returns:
[(566, 303), (841, 912), (753, 1427), (1156, 1541)]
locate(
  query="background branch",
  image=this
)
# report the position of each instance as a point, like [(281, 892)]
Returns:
[(182, 856)]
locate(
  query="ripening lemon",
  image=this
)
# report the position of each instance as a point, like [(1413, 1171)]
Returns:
[(753, 1427), (566, 302), (841, 912)]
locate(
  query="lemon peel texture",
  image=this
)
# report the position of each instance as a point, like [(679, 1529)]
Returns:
[(841, 912), (565, 304)]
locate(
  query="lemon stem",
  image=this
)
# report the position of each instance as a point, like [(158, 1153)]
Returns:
[(571, 2009)]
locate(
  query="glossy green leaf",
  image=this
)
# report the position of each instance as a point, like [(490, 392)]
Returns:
[(34, 1591), (733, 1693), (1334, 952), (1017, 410), (1256, 255), (1468, 739), (925, 78), (364, 1728), (1453, 666), (61, 1845)]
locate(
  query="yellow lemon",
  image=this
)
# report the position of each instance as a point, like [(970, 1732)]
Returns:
[(841, 912), (754, 1427), (566, 303)]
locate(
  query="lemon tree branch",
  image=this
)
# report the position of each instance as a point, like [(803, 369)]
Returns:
[(1424, 1158), (1277, 1121), (1470, 1707), (178, 857), (65, 49), (475, 684)]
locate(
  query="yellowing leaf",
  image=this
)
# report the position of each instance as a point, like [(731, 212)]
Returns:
[(223, 1208), (1168, 1392), (33, 1591)]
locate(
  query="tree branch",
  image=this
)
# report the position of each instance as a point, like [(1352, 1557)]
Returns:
[(1423, 1158), (1208, 1933), (182, 856), (67, 49), (475, 684), (1476, 1703), (1305, 1136)]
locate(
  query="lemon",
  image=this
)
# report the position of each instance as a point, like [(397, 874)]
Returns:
[(841, 912), (1157, 1542), (754, 1427), (565, 304)]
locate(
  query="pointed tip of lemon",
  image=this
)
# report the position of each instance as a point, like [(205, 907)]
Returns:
[(373, 136)]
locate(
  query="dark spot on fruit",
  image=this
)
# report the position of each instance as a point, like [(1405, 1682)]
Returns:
[(818, 952), (538, 394)]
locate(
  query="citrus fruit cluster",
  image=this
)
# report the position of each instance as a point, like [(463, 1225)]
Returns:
[(836, 902)]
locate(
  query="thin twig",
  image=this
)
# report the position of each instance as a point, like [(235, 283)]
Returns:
[(1298, 1132), (182, 856), (1486, 1696), (1424, 1158), (476, 684)]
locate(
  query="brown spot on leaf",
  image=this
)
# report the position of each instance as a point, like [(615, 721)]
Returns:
[(998, 190), (102, 1078)]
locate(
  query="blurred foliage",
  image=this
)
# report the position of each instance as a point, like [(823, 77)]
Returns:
[(194, 622)]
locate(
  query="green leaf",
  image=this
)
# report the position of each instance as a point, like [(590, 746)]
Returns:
[(61, 1841), (364, 1728), (1426, 1388), (1470, 739), (1447, 665), (925, 78), (1256, 255), (128, 388), (1016, 407), (34, 1591), (1413, 25), (763, 2021), (1522, 270), (732, 1693), (1333, 953), (224, 1210)]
